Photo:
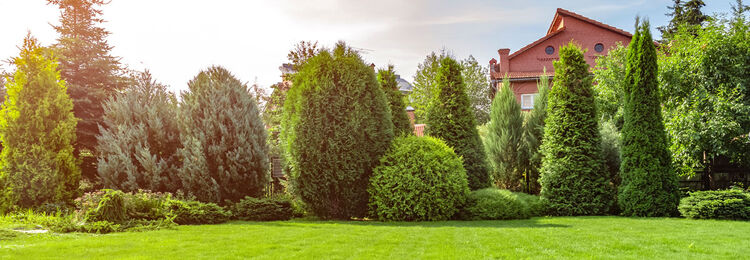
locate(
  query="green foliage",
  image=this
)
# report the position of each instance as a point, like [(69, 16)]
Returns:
[(533, 132), (497, 204), (224, 154), (685, 15), (37, 130), (649, 183), (450, 118), (111, 208), (91, 72), (401, 124), (197, 213), (707, 111), (418, 179), (264, 209), (573, 177), (609, 75), (139, 139), (717, 204), (504, 140), (611, 150), (476, 79), (425, 84), (336, 125)]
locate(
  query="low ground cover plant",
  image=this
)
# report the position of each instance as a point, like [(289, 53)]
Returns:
[(419, 179), (716, 204), (279, 207), (497, 204)]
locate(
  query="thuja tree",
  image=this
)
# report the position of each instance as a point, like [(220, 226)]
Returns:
[(573, 178), (37, 130), (401, 124), (450, 118), (139, 139), (224, 154), (648, 181), (503, 141), (337, 126), (533, 132)]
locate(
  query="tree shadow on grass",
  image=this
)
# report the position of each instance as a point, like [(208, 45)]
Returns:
[(301, 223)]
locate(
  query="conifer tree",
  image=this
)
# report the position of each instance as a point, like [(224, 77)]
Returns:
[(450, 118), (139, 139), (336, 126), (224, 154), (649, 183), (532, 136), (401, 124), (92, 74), (503, 142), (37, 130), (573, 178)]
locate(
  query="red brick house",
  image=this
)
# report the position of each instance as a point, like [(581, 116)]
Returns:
[(524, 66)]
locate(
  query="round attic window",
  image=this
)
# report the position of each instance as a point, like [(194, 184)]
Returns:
[(599, 47), (549, 50)]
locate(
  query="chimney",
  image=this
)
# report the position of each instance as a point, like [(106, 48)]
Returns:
[(410, 113), (372, 66), (504, 62)]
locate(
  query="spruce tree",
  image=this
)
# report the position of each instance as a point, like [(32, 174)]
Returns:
[(336, 126), (224, 154), (503, 142), (139, 139), (92, 74), (401, 124), (450, 118), (573, 178), (37, 130), (532, 136), (649, 183)]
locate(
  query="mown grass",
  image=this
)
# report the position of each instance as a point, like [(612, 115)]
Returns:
[(542, 238)]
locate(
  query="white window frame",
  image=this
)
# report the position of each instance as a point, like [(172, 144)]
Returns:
[(532, 96)]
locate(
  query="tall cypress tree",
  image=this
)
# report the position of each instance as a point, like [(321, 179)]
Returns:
[(92, 74), (533, 133), (450, 118), (37, 129), (649, 183), (401, 124), (139, 139), (573, 178), (336, 127), (224, 154), (503, 142)]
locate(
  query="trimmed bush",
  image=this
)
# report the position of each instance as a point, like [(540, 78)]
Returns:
[(265, 209), (196, 212), (420, 178), (573, 177), (716, 204), (450, 118), (336, 126), (497, 204)]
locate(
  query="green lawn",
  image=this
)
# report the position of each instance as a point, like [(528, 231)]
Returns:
[(560, 237)]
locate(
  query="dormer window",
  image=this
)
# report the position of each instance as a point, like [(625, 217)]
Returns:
[(549, 50)]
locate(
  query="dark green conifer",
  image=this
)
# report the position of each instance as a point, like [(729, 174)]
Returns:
[(401, 124)]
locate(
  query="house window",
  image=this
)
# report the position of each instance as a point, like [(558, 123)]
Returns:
[(599, 47), (527, 101), (549, 50)]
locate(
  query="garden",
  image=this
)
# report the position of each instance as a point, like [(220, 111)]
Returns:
[(106, 163)]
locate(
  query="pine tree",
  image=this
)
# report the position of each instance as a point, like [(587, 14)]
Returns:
[(532, 136), (573, 178), (686, 14), (336, 126), (92, 74), (401, 124), (450, 118), (649, 183), (224, 154), (37, 130), (503, 142), (139, 139)]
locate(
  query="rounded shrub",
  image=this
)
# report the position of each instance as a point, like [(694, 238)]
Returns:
[(418, 179), (111, 208), (716, 204), (494, 204)]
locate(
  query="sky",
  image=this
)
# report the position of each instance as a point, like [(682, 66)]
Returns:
[(176, 39)]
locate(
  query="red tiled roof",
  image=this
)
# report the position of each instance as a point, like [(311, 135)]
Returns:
[(535, 43), (586, 19), (419, 129), (521, 74)]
